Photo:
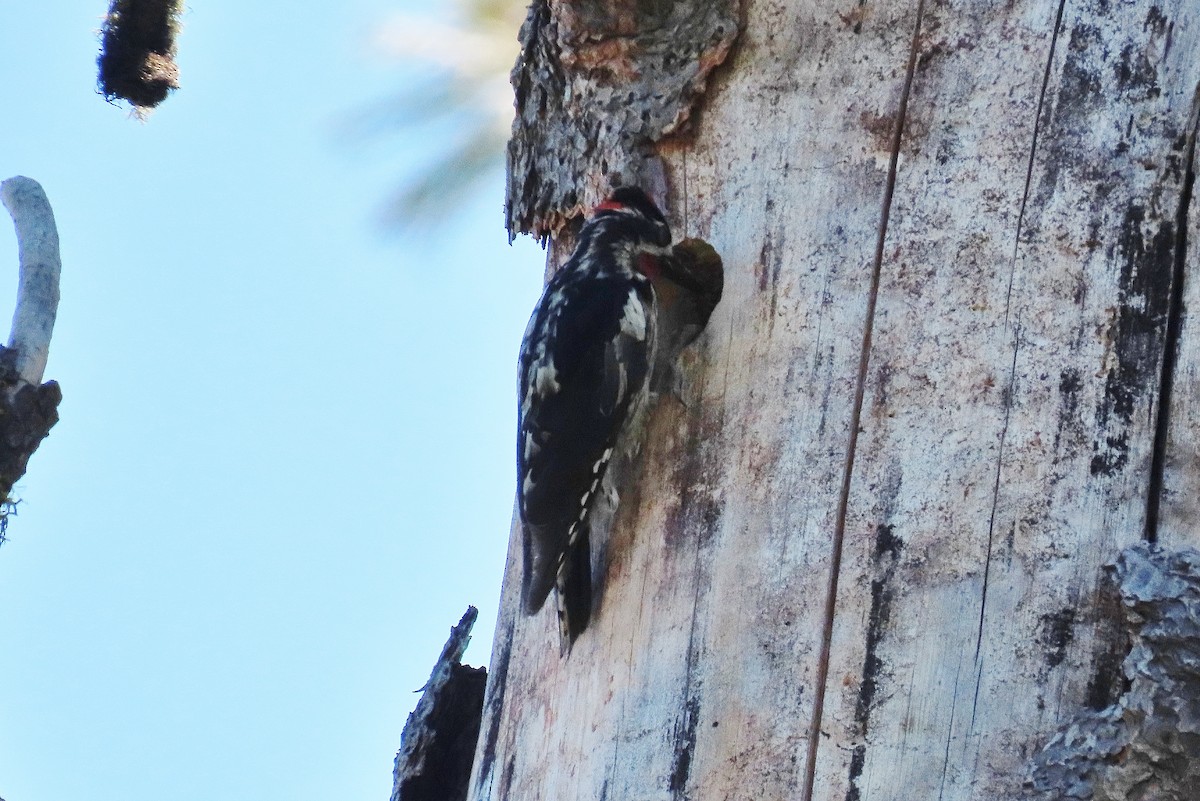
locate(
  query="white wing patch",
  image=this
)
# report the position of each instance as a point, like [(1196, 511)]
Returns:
[(633, 318), (543, 381), (545, 378)]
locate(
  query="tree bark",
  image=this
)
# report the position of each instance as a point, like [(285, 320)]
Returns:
[(952, 377), (438, 742)]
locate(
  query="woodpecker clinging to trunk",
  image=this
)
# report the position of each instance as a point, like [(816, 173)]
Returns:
[(585, 371)]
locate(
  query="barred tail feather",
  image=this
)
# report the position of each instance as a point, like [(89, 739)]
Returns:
[(573, 585)]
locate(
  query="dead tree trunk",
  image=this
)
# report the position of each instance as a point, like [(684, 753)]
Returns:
[(955, 373), (28, 408)]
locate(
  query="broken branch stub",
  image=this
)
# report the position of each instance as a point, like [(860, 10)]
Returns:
[(28, 408), (598, 83), (437, 747), (40, 265)]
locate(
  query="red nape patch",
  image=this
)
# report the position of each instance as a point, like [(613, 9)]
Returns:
[(608, 205), (648, 265)]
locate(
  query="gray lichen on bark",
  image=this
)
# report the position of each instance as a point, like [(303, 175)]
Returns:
[(597, 83), (1146, 745)]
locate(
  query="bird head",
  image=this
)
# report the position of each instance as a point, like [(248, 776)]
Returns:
[(635, 206)]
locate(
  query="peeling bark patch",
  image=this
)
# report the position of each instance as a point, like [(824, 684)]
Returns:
[(1143, 746), (885, 558), (1057, 633), (1144, 285), (685, 746), (597, 83)]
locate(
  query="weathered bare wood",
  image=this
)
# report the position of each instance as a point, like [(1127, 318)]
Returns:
[(1031, 315), (864, 561)]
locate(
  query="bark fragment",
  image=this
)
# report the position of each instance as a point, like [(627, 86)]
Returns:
[(27, 413), (597, 83), (437, 747), (1145, 745)]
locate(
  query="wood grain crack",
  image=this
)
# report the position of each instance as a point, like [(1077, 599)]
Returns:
[(1012, 375), (1166, 385), (839, 531), (1037, 126), (987, 562), (949, 735)]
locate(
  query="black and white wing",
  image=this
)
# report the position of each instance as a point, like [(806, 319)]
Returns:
[(584, 367)]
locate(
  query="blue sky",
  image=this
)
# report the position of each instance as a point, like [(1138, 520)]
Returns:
[(284, 465)]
